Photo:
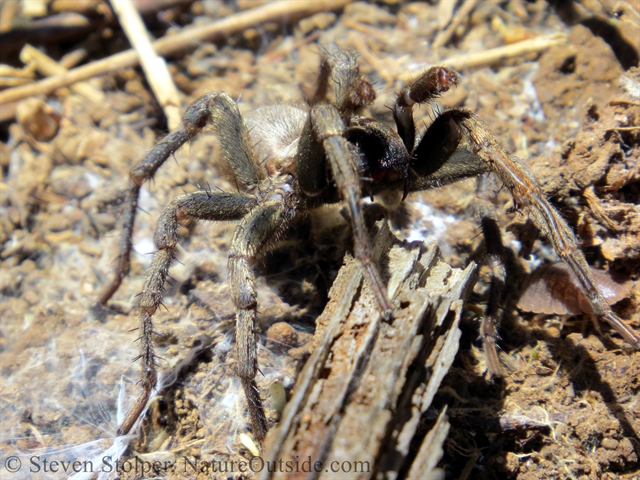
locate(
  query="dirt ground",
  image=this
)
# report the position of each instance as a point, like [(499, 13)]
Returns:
[(568, 404)]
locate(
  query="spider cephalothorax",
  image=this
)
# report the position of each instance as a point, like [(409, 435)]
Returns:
[(288, 160)]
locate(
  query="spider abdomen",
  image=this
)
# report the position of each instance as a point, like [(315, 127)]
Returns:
[(275, 131)]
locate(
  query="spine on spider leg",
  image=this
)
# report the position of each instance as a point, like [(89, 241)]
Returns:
[(150, 299), (527, 194), (245, 298), (140, 173)]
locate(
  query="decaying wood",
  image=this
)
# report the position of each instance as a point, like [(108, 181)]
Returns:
[(363, 392)]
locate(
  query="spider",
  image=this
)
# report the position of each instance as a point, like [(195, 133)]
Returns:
[(288, 160)]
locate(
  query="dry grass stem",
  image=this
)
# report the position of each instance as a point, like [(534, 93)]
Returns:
[(9, 10), (73, 58), (445, 13), (49, 67), (495, 55), (625, 129), (189, 38), (154, 66), (282, 51), (445, 35), (365, 29), (370, 58), (595, 205), (624, 102)]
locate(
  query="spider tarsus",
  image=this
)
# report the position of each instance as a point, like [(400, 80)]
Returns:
[(111, 288), (134, 413), (256, 409)]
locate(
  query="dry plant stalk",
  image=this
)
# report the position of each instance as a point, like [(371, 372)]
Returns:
[(370, 58), (189, 38), (498, 54), (381, 376), (154, 66), (595, 206), (471, 60), (494, 55), (48, 66), (445, 35)]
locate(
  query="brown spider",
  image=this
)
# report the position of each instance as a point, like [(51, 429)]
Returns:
[(288, 160)]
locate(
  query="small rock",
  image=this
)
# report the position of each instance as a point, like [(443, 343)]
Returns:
[(282, 336), (38, 118), (70, 181)]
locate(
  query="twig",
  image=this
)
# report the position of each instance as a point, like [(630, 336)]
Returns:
[(48, 66), (189, 38), (73, 58), (365, 29), (154, 66), (47, 30), (370, 58), (445, 35), (280, 52), (445, 13), (495, 55), (595, 206), (8, 11), (14, 81), (70, 60), (624, 102), (624, 129)]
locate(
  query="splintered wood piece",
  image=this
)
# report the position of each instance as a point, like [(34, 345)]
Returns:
[(430, 452), (362, 394)]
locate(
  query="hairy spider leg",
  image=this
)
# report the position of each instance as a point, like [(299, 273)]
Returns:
[(254, 236), (528, 196), (203, 205), (459, 145), (214, 108), (323, 141)]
